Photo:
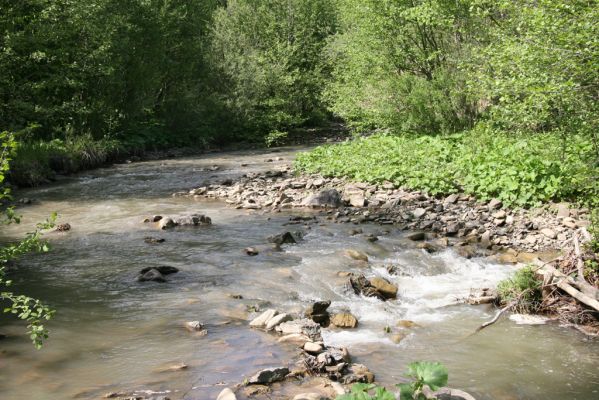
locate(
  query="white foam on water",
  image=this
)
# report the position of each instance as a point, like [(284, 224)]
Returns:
[(348, 338)]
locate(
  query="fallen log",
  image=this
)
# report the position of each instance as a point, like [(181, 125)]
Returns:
[(565, 283)]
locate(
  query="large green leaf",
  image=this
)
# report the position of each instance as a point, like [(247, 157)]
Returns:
[(433, 374)]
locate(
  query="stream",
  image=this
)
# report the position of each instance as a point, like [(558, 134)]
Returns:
[(112, 333)]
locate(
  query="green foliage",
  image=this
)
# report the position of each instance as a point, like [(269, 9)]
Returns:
[(394, 65), (432, 374), (524, 287), (28, 309), (362, 391), (520, 171), (538, 68), (268, 54), (594, 231), (275, 138)]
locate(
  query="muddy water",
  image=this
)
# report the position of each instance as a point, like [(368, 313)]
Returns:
[(112, 333)]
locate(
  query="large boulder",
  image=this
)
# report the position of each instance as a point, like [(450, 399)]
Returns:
[(324, 198)]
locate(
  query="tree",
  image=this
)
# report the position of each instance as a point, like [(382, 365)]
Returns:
[(268, 55)]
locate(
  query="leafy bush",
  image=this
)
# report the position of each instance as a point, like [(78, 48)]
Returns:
[(524, 287), (432, 374), (28, 309), (519, 170)]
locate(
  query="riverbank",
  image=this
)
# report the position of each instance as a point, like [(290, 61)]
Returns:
[(37, 163), (474, 228)]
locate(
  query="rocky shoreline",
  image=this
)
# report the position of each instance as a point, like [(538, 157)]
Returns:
[(473, 228)]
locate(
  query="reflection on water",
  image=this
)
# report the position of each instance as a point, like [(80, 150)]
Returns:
[(112, 333)]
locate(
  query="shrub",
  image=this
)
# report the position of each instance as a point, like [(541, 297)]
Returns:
[(524, 287)]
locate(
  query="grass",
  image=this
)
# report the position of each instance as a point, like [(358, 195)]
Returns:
[(525, 287), (519, 170)]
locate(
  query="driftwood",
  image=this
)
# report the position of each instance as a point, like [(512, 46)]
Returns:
[(567, 284), (496, 317)]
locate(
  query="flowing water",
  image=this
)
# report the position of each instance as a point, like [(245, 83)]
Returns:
[(113, 333)]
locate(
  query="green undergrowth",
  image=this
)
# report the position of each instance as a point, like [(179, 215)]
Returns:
[(519, 170), (36, 162), (524, 289)]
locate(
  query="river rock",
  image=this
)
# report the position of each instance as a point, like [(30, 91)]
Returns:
[(563, 210), (194, 326), (416, 236), (226, 394), (311, 347), (302, 326), (419, 213), (450, 394), (344, 320), (356, 255), (283, 238), (358, 373), (151, 274), (192, 220), (495, 204), (360, 285), (297, 338), (163, 269), (325, 198), (276, 320), (386, 288), (153, 240), (318, 312), (166, 223), (263, 318), (550, 233), (64, 227), (310, 396), (251, 251), (269, 375)]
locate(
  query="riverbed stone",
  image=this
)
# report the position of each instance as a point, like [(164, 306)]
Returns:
[(302, 326), (309, 396), (356, 255), (495, 204), (386, 288), (166, 223), (344, 320), (269, 375), (358, 373), (276, 320), (324, 198), (163, 269), (226, 394), (550, 233), (297, 338), (416, 236), (312, 347), (151, 275), (194, 326), (283, 238), (261, 320)]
